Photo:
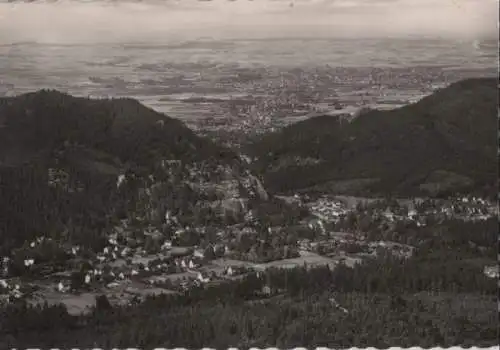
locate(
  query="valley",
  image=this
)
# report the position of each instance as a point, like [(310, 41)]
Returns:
[(110, 208)]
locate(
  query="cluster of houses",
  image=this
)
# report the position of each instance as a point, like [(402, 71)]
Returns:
[(398, 249), (463, 208), (181, 268), (327, 209), (340, 243), (9, 291), (472, 208), (118, 264), (182, 281)]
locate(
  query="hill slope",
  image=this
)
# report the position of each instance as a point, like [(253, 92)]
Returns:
[(61, 157), (445, 142)]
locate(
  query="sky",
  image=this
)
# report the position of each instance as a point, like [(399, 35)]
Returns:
[(68, 21)]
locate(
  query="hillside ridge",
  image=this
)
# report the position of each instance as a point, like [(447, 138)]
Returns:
[(397, 151)]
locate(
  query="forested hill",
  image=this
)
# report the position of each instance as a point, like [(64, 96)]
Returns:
[(61, 156), (44, 121), (445, 143)]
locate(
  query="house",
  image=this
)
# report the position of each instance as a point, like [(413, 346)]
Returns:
[(121, 178), (491, 271), (60, 287), (266, 290), (4, 284), (168, 215), (125, 251), (16, 293), (167, 245), (412, 213), (28, 262), (198, 253), (389, 214), (202, 278), (179, 232)]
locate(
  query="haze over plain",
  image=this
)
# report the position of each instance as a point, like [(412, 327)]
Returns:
[(66, 22)]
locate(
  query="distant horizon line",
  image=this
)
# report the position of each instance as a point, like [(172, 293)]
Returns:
[(483, 39)]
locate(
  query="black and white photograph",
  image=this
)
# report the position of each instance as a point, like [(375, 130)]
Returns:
[(249, 174)]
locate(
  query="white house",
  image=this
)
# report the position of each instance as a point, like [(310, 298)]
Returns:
[(344, 310), (412, 213), (120, 180), (491, 271), (320, 222), (125, 251), (389, 214), (17, 294), (201, 278), (179, 232)]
